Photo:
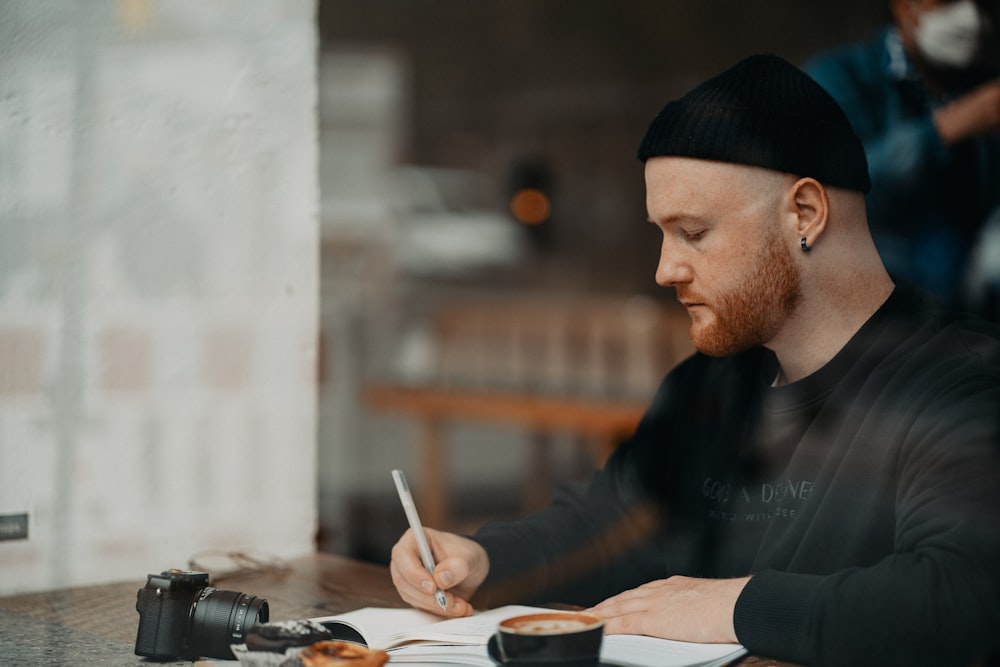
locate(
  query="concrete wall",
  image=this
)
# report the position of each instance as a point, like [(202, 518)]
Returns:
[(158, 284)]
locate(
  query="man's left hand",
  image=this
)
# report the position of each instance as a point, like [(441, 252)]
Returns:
[(682, 608)]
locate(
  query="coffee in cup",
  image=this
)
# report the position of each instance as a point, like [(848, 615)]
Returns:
[(559, 638)]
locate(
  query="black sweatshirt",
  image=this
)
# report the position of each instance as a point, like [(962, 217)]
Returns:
[(864, 499)]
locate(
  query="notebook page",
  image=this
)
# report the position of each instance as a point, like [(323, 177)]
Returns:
[(642, 651)]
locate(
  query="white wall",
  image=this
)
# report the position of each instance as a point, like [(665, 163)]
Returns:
[(158, 283)]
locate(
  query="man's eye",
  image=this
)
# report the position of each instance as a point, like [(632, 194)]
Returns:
[(693, 234)]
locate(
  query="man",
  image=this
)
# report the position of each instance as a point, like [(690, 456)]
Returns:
[(929, 116), (820, 482)]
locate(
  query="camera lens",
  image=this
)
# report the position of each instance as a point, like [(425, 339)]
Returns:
[(220, 618)]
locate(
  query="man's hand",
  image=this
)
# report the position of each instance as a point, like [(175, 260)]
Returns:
[(682, 608), (462, 565)]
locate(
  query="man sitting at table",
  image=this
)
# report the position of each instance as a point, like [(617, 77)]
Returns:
[(821, 480)]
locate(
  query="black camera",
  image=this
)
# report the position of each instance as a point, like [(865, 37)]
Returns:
[(181, 616)]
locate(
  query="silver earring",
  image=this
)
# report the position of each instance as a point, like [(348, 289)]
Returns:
[(805, 246)]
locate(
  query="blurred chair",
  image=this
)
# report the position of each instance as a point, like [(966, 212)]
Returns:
[(552, 364)]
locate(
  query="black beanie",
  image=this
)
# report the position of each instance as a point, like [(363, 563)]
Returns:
[(763, 112)]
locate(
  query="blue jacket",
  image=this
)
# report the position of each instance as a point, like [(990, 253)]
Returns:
[(928, 201)]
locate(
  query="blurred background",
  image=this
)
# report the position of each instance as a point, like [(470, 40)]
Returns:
[(436, 119), (256, 253)]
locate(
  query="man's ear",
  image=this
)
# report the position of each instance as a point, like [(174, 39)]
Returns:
[(811, 207)]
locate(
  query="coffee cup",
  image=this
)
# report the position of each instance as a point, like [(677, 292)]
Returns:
[(556, 638)]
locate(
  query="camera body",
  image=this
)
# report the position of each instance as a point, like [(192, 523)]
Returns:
[(180, 615)]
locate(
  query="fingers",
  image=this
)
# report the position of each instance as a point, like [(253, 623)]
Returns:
[(462, 564), (417, 587), (451, 572), (456, 606), (411, 578), (629, 612), (684, 608)]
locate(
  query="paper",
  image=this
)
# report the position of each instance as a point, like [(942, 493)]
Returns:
[(641, 651), (417, 638), (617, 650), (390, 628)]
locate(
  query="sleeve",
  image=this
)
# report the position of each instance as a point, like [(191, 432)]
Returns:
[(935, 600), (594, 540)]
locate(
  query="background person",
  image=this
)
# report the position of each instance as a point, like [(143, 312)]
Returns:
[(820, 481), (929, 116)]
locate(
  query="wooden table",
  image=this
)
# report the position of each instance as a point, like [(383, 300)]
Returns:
[(97, 624), (603, 422)]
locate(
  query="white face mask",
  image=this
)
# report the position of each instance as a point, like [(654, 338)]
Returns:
[(950, 36)]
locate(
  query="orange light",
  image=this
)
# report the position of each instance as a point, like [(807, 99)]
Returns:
[(530, 206)]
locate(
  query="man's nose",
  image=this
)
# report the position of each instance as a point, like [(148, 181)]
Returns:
[(672, 269)]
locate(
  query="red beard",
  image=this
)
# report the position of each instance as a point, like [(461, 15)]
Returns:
[(752, 313)]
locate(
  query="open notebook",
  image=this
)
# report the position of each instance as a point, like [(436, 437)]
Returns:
[(419, 638)]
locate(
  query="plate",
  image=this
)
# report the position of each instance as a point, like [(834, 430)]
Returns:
[(494, 651)]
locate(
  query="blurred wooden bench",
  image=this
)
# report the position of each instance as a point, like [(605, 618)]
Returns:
[(580, 366)]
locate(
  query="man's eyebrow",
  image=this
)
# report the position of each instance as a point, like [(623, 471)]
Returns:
[(672, 218)]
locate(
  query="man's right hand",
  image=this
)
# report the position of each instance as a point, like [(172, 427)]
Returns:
[(462, 565)]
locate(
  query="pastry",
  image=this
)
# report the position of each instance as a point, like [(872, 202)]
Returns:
[(340, 654)]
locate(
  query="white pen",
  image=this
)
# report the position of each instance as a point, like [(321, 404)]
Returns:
[(418, 530)]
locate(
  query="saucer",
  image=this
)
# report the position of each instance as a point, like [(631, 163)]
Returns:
[(494, 651)]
